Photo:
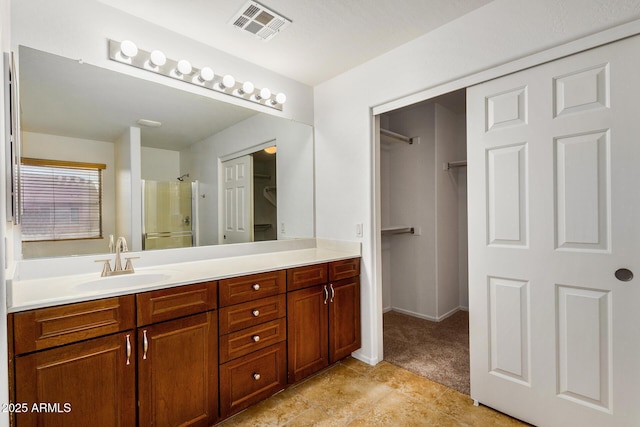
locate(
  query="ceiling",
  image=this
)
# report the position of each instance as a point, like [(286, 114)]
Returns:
[(60, 96), (325, 38)]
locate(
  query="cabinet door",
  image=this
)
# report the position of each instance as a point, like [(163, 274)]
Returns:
[(344, 318), (91, 383), (177, 372), (307, 315)]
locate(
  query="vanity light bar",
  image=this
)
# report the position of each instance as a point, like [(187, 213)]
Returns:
[(127, 52)]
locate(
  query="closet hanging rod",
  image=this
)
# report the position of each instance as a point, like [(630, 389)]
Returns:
[(396, 136), (457, 164), (398, 230)]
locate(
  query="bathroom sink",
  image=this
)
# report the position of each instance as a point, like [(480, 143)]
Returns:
[(124, 281)]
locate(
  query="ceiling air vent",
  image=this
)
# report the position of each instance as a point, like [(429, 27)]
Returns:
[(258, 20)]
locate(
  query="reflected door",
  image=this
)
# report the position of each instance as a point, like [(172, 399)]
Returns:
[(238, 200), (553, 226)]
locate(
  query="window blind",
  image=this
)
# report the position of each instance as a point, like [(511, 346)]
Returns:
[(61, 200)]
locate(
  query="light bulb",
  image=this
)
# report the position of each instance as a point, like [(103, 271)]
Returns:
[(184, 67), (157, 58), (227, 82), (281, 98), (265, 93), (128, 49), (247, 88), (206, 74)]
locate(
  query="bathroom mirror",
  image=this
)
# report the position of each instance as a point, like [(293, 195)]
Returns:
[(76, 112)]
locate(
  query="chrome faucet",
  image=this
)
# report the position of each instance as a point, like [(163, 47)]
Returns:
[(121, 246)]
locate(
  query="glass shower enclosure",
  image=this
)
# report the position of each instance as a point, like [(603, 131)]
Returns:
[(168, 214)]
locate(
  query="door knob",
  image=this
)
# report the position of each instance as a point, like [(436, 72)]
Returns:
[(624, 274)]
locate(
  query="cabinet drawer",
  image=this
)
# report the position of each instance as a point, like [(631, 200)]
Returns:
[(50, 327), (251, 339), (252, 313), (303, 277), (167, 304), (252, 378), (252, 287), (344, 269)]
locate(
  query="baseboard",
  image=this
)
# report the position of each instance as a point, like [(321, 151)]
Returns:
[(463, 308), (368, 360), (448, 314), (426, 317), (387, 309), (414, 314)]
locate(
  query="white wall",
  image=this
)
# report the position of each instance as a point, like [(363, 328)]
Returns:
[(80, 29), (294, 171), (447, 215), (54, 147), (410, 202), (421, 272), (159, 164), (4, 363), (129, 188), (499, 32), (463, 244)]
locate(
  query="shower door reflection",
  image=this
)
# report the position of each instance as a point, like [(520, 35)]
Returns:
[(168, 214)]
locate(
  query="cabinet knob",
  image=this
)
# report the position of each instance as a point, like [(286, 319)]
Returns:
[(256, 287), (255, 313), (256, 338), (256, 376)]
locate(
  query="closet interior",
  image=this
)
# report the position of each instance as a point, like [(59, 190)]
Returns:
[(423, 193)]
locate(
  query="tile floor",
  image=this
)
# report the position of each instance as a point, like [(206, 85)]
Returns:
[(352, 393)]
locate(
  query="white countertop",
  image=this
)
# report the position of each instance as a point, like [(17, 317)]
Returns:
[(63, 289)]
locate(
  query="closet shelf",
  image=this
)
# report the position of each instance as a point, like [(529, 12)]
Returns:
[(395, 137), (397, 230), (262, 227), (261, 176)]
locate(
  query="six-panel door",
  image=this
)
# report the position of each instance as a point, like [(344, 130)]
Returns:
[(553, 158)]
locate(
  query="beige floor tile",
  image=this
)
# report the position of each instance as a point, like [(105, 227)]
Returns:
[(357, 365), (275, 411), (342, 393), (460, 407), (315, 417), (398, 409), (348, 394), (407, 382)]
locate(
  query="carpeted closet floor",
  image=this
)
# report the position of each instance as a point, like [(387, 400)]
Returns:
[(438, 351)]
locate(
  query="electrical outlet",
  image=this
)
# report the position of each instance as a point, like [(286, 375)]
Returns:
[(282, 228), (359, 230)]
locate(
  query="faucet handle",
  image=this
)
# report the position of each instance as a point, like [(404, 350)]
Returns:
[(128, 266), (106, 268)]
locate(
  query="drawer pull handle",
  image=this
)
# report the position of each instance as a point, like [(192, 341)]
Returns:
[(145, 344), (128, 349), (255, 313), (256, 376), (326, 294), (256, 287), (333, 292), (256, 338)]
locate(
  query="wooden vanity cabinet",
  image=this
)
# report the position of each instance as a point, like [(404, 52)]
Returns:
[(178, 356), (323, 318), (78, 377), (253, 352)]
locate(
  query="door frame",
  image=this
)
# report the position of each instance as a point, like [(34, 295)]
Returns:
[(528, 61)]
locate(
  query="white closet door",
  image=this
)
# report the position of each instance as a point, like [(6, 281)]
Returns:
[(554, 213), (238, 200)]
